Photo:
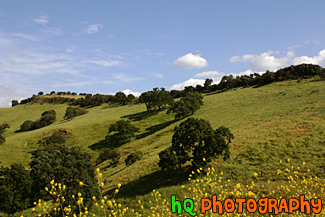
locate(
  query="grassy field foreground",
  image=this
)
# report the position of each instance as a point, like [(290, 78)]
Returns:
[(276, 127)]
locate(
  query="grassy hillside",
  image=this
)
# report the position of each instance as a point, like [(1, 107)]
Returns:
[(280, 121)]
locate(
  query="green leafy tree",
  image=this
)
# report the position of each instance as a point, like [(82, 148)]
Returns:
[(156, 99), (187, 105), (15, 188), (207, 84), (14, 103), (120, 133), (65, 165), (193, 140), (121, 98)]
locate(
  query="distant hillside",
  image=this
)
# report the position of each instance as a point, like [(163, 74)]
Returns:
[(272, 123)]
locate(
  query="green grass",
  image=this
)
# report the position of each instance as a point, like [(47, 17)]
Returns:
[(284, 120)]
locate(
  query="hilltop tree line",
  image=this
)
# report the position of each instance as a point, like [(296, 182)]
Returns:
[(150, 98)]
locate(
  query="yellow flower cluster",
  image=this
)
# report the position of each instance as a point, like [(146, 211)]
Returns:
[(203, 184)]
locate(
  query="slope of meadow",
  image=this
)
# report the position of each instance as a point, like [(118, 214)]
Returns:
[(273, 123)]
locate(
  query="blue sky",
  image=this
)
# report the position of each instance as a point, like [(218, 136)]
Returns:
[(133, 46)]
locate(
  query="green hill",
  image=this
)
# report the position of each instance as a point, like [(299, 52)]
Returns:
[(280, 121)]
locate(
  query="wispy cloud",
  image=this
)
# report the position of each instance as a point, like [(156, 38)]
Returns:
[(53, 30), (41, 20), (125, 78), (91, 29), (158, 75), (25, 36), (105, 63)]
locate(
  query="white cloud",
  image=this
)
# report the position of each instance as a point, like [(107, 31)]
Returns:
[(104, 62), (25, 36), (125, 78), (207, 74), (235, 59), (318, 60), (190, 82), (264, 61), (128, 91), (191, 61), (41, 19), (91, 29)]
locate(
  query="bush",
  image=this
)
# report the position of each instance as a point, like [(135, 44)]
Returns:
[(58, 137), (133, 157), (47, 118), (113, 155), (27, 125), (72, 112)]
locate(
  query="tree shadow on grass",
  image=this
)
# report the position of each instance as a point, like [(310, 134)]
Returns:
[(217, 92), (98, 145), (151, 130), (140, 115), (155, 180)]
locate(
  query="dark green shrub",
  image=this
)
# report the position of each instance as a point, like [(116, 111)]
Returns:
[(133, 157), (47, 118), (113, 155), (58, 137), (72, 112), (27, 125)]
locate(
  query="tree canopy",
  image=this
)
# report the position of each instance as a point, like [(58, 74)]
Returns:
[(65, 165), (187, 105), (120, 133), (156, 98), (15, 188), (193, 140)]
